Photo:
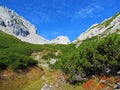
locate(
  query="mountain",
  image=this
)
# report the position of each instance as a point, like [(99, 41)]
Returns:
[(12, 23), (61, 40), (107, 26)]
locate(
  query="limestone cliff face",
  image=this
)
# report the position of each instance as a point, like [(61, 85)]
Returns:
[(107, 26), (12, 23)]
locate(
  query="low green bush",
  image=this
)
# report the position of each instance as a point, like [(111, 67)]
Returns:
[(100, 56)]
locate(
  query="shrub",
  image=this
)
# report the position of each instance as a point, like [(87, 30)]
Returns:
[(96, 56), (48, 56)]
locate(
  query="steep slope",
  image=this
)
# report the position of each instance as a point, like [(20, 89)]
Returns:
[(107, 26), (61, 40), (12, 23)]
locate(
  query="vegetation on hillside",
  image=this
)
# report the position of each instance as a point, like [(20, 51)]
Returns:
[(95, 56), (15, 54), (100, 56)]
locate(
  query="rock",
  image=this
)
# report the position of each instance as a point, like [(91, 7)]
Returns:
[(118, 72), (52, 61), (47, 87), (117, 86), (12, 23), (2, 23), (102, 81), (61, 40)]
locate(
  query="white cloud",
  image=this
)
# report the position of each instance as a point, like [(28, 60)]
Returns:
[(87, 12)]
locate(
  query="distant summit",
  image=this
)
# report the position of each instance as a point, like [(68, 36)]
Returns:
[(61, 40)]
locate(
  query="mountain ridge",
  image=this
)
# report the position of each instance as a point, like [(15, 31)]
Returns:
[(18, 26), (12, 23), (107, 26)]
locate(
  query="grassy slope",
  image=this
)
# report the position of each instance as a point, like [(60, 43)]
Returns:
[(11, 45), (15, 53)]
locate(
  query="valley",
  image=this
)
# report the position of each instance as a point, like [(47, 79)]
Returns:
[(30, 62)]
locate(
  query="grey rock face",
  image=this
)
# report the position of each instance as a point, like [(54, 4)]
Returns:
[(19, 31), (19, 26), (12, 23), (2, 23)]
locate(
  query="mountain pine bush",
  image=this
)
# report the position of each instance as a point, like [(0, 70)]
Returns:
[(98, 56)]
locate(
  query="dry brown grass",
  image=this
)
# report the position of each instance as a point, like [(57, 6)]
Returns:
[(10, 80)]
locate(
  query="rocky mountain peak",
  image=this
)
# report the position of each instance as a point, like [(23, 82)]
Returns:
[(18, 25), (12, 23), (61, 40)]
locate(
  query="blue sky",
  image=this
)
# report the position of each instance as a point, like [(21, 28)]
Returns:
[(53, 18)]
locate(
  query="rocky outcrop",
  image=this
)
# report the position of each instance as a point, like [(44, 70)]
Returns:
[(107, 26), (12, 23), (61, 40)]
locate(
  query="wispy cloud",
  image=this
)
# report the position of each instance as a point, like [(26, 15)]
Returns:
[(87, 12), (43, 11), (36, 16)]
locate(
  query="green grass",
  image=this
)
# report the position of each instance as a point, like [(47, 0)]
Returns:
[(15, 54)]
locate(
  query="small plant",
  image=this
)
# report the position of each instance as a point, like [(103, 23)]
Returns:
[(48, 56)]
